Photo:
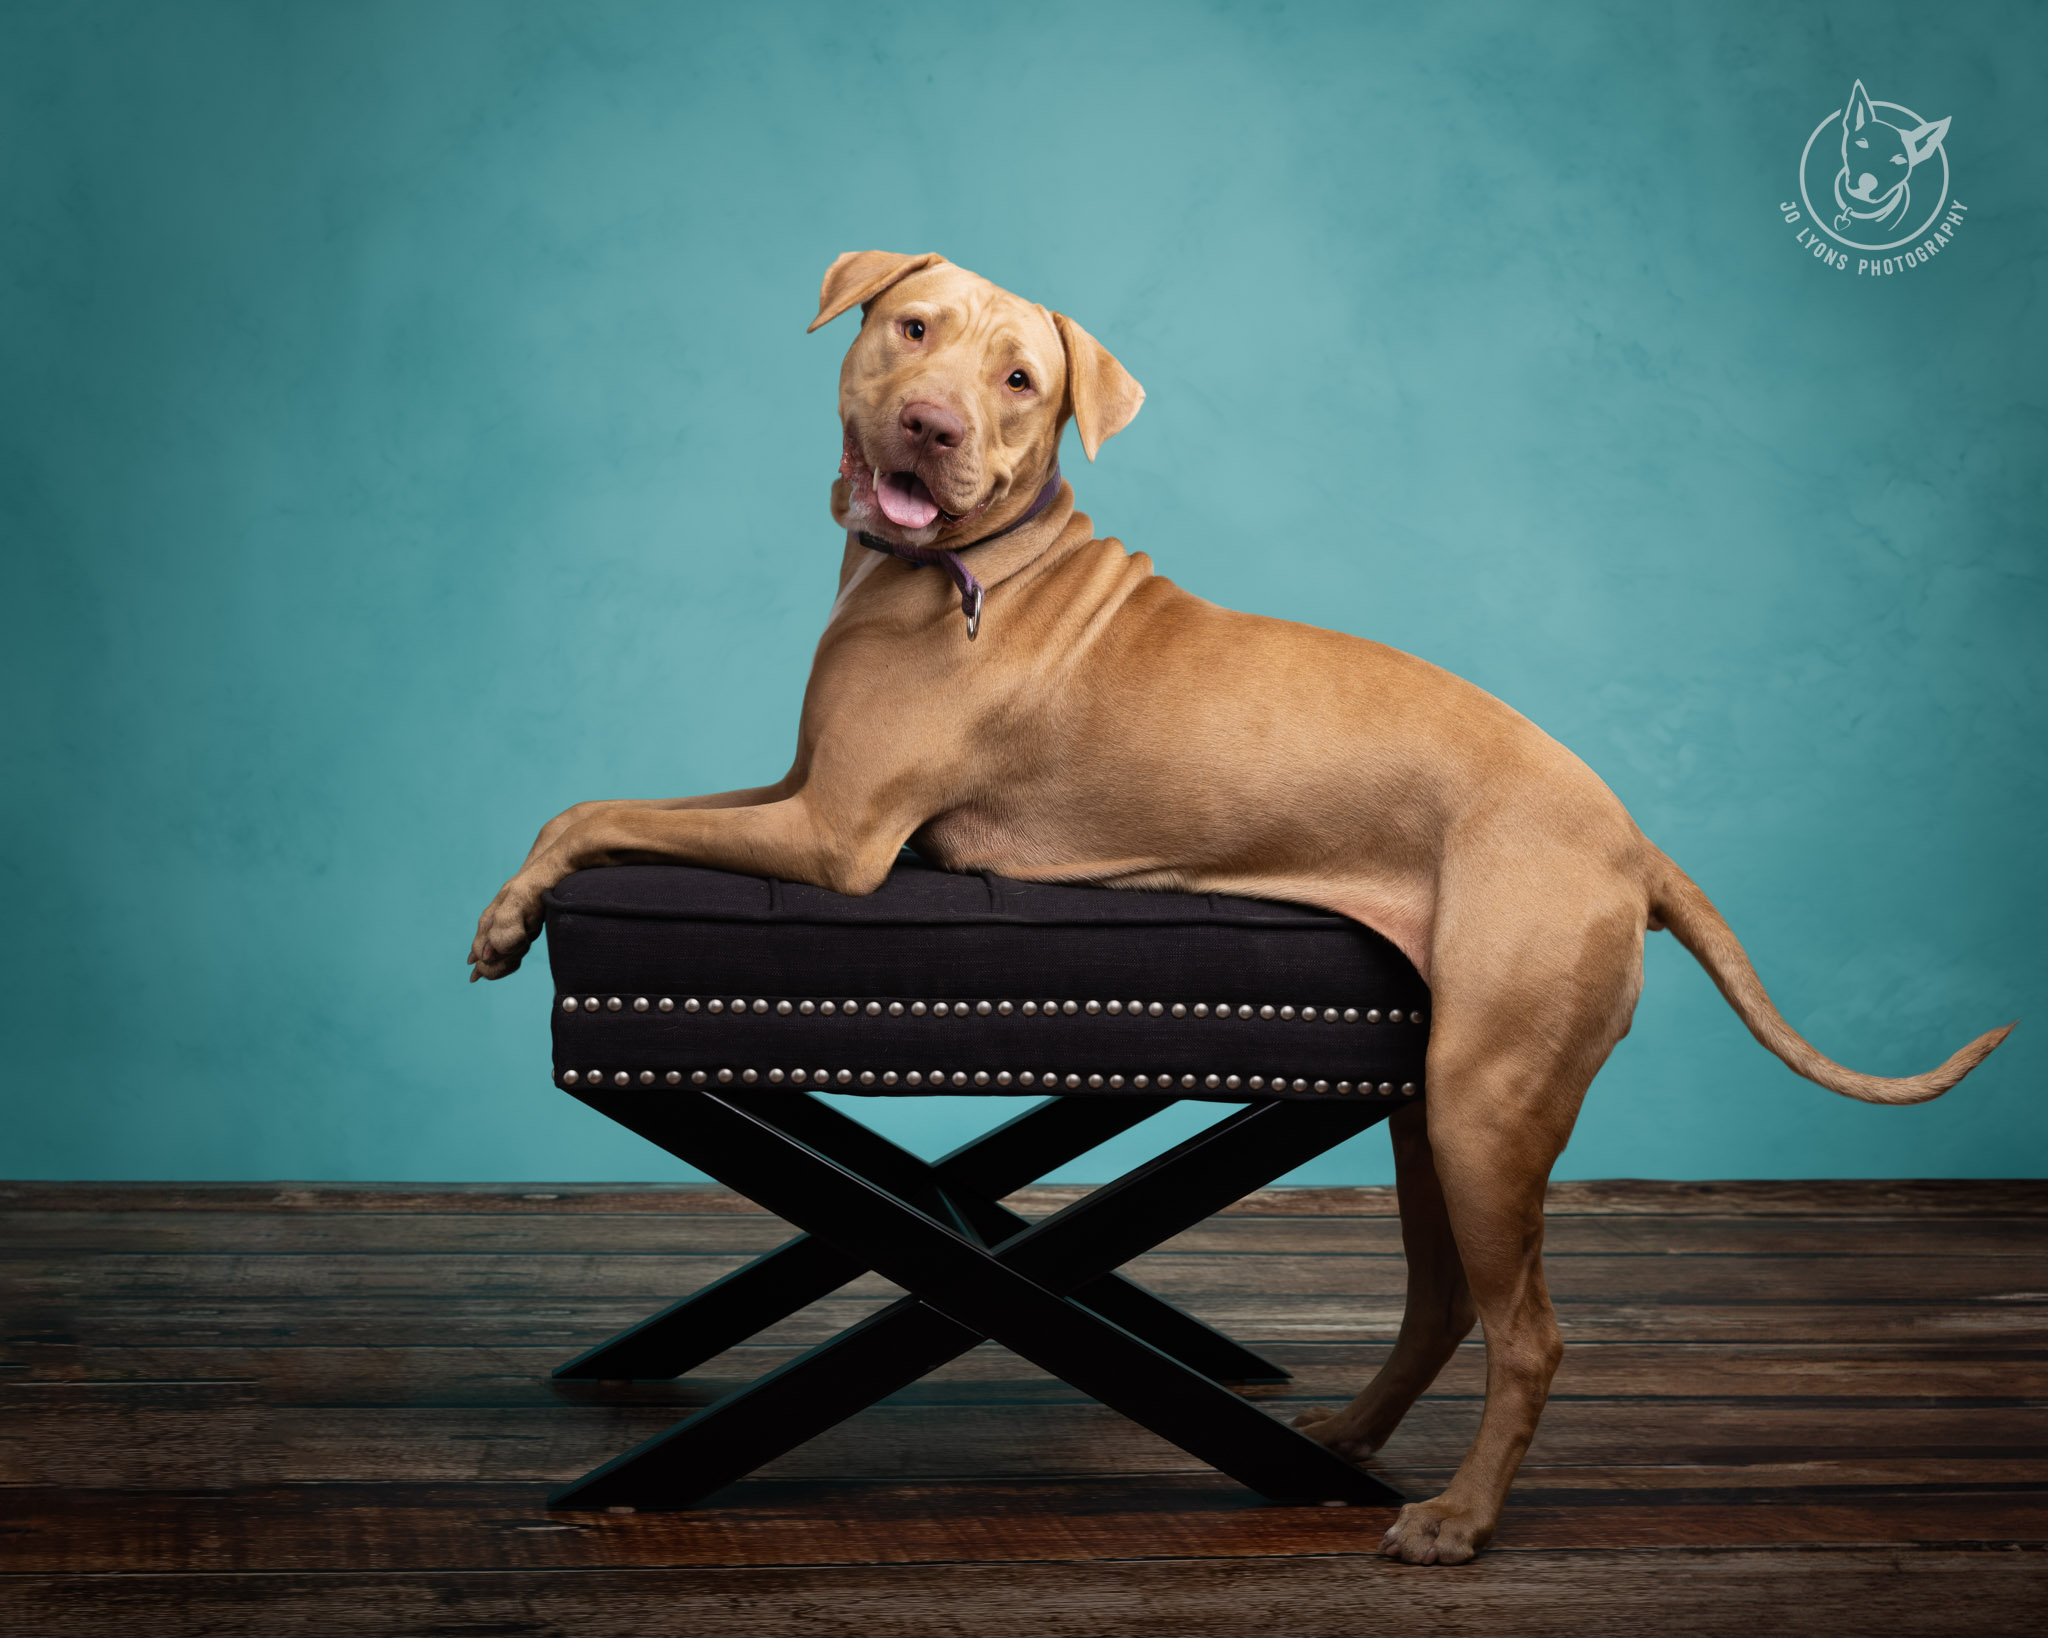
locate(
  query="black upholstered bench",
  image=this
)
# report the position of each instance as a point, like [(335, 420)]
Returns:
[(703, 1009)]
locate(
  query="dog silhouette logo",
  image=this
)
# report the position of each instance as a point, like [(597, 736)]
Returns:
[(1890, 177)]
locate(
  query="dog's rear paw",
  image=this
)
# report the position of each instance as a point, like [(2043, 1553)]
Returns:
[(1437, 1532), (1331, 1430)]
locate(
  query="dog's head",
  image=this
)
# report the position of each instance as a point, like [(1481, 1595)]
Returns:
[(1877, 156), (954, 395)]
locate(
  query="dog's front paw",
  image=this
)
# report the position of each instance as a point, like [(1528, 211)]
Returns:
[(506, 930), (1437, 1531)]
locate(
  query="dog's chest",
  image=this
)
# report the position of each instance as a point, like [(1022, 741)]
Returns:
[(984, 836), (974, 838)]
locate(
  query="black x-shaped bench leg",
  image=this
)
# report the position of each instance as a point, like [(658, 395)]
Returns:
[(972, 1179), (1018, 1292)]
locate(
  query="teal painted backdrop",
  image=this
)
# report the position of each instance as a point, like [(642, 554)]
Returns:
[(408, 428)]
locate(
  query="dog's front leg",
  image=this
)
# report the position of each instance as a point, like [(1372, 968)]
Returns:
[(794, 839), (551, 832)]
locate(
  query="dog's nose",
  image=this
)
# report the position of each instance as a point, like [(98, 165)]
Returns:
[(931, 424)]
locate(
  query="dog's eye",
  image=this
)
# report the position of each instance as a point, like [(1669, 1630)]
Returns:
[(914, 328), (1018, 381), (1898, 159)]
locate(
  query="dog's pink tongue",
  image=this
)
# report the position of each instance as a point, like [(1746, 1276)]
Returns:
[(905, 501)]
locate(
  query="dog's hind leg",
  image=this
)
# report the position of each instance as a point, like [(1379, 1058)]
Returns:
[(1439, 1312), (1527, 1008)]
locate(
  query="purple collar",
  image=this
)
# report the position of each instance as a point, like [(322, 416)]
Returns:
[(948, 558)]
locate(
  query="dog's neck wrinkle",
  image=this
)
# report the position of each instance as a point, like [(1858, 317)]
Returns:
[(1028, 548), (1020, 559)]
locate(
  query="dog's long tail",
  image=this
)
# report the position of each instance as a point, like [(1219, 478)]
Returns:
[(1677, 901)]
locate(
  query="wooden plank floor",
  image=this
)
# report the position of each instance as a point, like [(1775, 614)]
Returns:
[(1785, 1409)]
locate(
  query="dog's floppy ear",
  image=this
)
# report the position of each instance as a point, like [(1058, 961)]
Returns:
[(1922, 140), (1859, 113), (1102, 397), (861, 276)]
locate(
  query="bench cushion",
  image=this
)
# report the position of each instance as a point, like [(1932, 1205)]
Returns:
[(938, 982)]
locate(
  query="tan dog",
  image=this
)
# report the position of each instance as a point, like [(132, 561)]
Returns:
[(1107, 726)]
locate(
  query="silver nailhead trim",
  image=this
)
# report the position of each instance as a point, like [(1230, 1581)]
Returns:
[(1004, 1008), (983, 1077)]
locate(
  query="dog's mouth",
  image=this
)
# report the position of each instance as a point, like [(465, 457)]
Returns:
[(905, 501), (902, 497)]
